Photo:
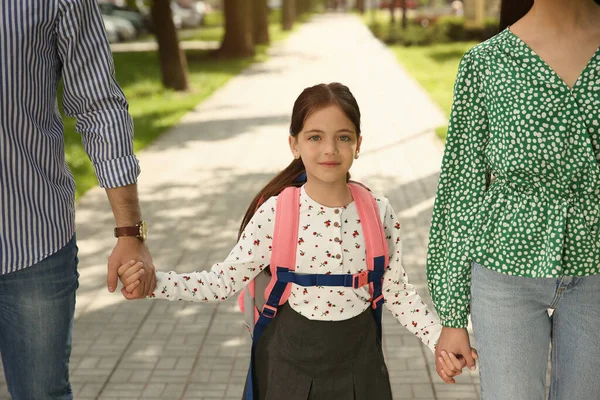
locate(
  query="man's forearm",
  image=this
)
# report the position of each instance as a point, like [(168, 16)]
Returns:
[(125, 205)]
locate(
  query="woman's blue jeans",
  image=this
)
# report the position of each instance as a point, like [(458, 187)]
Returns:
[(37, 306), (513, 332)]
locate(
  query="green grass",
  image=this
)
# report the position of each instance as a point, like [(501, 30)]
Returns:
[(435, 68), (155, 109)]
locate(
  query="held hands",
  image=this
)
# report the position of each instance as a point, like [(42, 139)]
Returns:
[(453, 352), (132, 274), (449, 365), (136, 284)]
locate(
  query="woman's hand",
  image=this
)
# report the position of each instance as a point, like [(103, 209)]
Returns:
[(452, 352)]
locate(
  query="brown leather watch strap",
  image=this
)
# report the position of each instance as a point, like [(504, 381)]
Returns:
[(127, 231), (139, 230)]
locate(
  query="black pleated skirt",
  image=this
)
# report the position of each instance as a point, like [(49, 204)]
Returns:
[(301, 359)]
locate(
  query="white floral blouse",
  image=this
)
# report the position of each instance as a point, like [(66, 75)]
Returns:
[(329, 242)]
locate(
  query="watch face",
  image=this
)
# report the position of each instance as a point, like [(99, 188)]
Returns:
[(144, 230)]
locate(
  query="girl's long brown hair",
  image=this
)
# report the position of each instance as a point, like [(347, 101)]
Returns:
[(513, 10), (310, 100)]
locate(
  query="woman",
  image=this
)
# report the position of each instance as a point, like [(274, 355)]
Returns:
[(516, 223)]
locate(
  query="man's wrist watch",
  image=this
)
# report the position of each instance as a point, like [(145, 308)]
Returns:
[(140, 231)]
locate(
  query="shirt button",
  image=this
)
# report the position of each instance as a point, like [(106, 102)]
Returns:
[(336, 224), (337, 240), (337, 211), (338, 256)]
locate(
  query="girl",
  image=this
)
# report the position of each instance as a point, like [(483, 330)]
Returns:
[(324, 341), (517, 215)]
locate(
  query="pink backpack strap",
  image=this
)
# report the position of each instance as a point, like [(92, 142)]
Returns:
[(244, 297), (285, 238), (372, 227), (285, 234), (283, 255)]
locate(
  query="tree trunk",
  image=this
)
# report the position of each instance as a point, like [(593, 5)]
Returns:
[(360, 6), (288, 14), (309, 6), (300, 7), (393, 12), (261, 22), (173, 64), (237, 41), (404, 18)]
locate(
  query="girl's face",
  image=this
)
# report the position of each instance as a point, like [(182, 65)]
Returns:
[(327, 145)]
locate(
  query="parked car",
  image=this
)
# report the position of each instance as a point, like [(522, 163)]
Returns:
[(190, 15), (134, 17), (125, 31), (274, 4), (112, 33)]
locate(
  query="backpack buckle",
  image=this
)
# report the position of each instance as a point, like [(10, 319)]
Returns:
[(269, 311), (376, 303), (360, 279)]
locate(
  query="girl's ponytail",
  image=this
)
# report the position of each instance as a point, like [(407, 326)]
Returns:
[(288, 177)]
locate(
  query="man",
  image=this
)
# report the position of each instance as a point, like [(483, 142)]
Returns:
[(42, 41)]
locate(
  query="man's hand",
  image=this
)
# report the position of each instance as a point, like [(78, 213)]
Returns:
[(454, 341), (127, 249)]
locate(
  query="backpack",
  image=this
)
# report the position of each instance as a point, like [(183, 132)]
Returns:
[(261, 298)]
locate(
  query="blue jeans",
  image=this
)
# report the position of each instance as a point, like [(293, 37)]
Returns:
[(37, 305), (513, 332)]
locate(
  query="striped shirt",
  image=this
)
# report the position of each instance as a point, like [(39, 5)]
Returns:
[(42, 41)]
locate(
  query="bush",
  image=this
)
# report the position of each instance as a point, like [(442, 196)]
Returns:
[(451, 28), (379, 30), (413, 35), (425, 31), (491, 28)]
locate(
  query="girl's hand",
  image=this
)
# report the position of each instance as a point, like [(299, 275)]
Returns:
[(455, 341), (130, 274), (451, 365)]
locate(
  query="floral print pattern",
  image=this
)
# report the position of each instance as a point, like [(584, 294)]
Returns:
[(330, 241)]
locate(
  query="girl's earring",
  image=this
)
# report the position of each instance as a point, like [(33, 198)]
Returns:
[(297, 156), (356, 156)]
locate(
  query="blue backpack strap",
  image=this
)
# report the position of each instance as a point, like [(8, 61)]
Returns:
[(287, 216), (345, 280), (301, 178), (375, 243), (378, 299)]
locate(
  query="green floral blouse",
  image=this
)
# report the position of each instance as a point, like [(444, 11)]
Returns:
[(519, 189)]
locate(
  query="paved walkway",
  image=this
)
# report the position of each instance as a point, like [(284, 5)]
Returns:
[(196, 183)]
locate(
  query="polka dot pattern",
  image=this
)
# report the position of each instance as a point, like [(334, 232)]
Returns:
[(519, 190)]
